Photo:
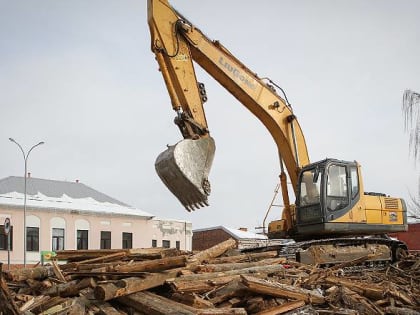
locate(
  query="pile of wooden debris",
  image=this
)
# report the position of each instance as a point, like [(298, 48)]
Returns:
[(168, 281)]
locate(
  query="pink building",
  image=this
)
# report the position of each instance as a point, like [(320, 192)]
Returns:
[(70, 215)]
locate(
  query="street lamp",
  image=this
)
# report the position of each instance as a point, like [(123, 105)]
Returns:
[(25, 157)]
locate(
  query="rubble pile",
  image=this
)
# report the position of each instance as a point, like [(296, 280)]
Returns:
[(169, 281)]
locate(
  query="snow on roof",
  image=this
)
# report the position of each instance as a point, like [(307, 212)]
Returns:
[(238, 234), (61, 195), (65, 202), (53, 188)]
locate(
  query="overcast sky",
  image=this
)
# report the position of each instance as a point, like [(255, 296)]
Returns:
[(80, 76)]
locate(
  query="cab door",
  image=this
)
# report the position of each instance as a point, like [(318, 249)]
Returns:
[(343, 188)]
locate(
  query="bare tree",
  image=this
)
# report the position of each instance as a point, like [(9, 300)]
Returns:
[(411, 110)]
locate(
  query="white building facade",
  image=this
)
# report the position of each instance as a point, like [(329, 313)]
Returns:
[(70, 215)]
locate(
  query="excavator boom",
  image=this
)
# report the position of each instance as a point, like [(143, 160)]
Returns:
[(176, 44)]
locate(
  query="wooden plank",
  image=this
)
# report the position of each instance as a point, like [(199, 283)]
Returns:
[(38, 273), (153, 265), (238, 265), (71, 288), (108, 309), (150, 303), (192, 300), (212, 275), (369, 290), (38, 301), (152, 253), (47, 304), (211, 252), (57, 271), (77, 307), (281, 290), (188, 286), (232, 289), (286, 307), (244, 257), (153, 304), (400, 311), (357, 302), (222, 311), (84, 254), (108, 291), (58, 289), (62, 307), (101, 259)]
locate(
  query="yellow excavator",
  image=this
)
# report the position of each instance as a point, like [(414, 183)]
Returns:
[(333, 218)]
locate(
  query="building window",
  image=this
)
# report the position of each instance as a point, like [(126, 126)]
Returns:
[(57, 239), (166, 244), (127, 240), (32, 239), (3, 238), (154, 243), (178, 245), (105, 239), (82, 239)]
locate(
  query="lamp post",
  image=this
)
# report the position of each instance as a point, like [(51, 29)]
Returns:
[(25, 158)]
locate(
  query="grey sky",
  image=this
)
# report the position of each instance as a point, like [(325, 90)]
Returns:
[(80, 76)]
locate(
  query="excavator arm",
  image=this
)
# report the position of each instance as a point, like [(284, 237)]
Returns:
[(176, 43)]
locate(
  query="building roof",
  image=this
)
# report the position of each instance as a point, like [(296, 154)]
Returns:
[(62, 195), (235, 233)]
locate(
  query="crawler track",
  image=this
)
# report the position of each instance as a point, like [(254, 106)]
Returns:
[(336, 250)]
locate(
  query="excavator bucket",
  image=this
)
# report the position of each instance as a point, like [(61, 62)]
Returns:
[(184, 169)]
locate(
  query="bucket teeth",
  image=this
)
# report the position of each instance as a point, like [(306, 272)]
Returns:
[(184, 169)]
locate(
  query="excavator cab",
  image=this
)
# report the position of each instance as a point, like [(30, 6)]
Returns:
[(184, 169), (327, 190)]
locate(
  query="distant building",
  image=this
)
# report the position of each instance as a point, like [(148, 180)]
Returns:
[(70, 215), (411, 237), (208, 237)]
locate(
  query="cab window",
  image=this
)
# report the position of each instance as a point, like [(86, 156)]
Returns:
[(310, 187), (354, 182), (337, 197)]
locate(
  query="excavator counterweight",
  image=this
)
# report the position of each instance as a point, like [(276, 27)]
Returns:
[(184, 169)]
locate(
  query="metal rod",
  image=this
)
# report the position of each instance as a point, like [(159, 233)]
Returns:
[(25, 158)]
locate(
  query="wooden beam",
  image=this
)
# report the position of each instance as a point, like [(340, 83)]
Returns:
[(100, 259), (108, 291), (281, 290), (238, 265), (38, 273), (369, 290), (244, 257), (286, 307), (153, 304), (212, 275), (211, 252), (192, 300), (153, 265)]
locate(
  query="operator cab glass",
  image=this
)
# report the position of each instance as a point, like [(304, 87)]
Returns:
[(310, 187), (337, 196), (327, 190)]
